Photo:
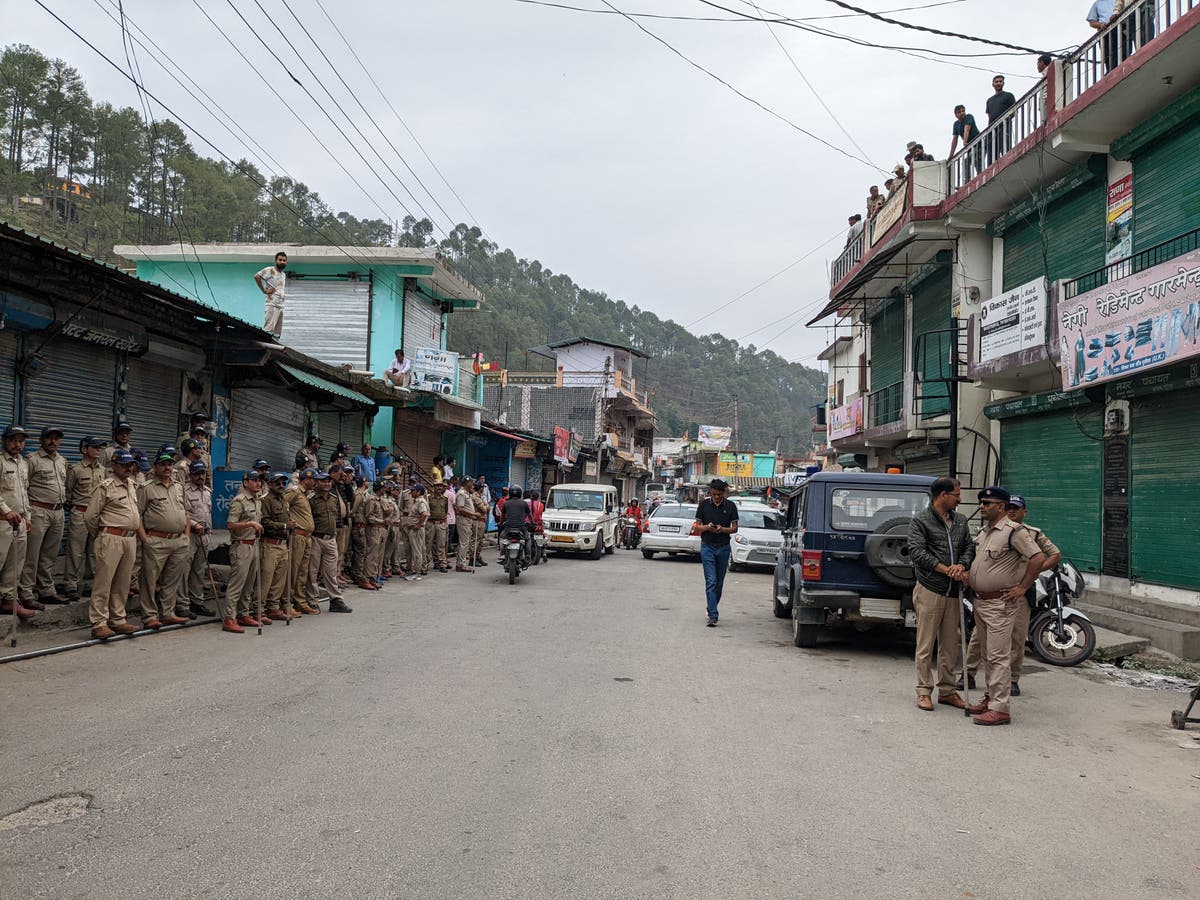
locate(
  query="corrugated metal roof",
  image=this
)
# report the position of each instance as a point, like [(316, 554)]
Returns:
[(322, 384)]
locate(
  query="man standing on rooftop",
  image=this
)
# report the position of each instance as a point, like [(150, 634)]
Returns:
[(272, 281)]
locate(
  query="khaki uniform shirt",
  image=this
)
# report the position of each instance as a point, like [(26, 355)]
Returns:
[(275, 516), (326, 509), (106, 454), (181, 473), (1044, 543), (464, 505), (374, 510), (47, 477), (480, 505), (299, 509), (1001, 554), (161, 506), (82, 480), (114, 504), (438, 507), (358, 511), (245, 507), (14, 485), (419, 508), (198, 503)]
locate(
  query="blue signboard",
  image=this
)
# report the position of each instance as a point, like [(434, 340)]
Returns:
[(225, 487)]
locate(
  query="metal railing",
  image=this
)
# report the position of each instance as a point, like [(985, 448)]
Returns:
[(849, 257), (1137, 25), (885, 405), (1130, 265), (466, 381), (1019, 122)]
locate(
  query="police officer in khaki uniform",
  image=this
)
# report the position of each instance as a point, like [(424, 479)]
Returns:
[(114, 522), (343, 486), (1007, 560), (82, 480), (1017, 510), (14, 513), (308, 456), (377, 529), (47, 497), (301, 519), (189, 452), (245, 527), (122, 440), (480, 499), (322, 569), (435, 530), (418, 516), (197, 500), (165, 549), (263, 468), (464, 524), (395, 554), (275, 522), (358, 537)]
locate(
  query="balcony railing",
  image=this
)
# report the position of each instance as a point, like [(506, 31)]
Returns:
[(1019, 122), (1131, 265), (885, 405), (466, 381), (851, 255), (1107, 49)]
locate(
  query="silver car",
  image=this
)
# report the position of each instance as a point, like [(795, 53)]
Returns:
[(669, 530)]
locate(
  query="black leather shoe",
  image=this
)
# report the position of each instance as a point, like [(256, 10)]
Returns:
[(1015, 690), (480, 562), (199, 609), (52, 600), (33, 604), (339, 606)]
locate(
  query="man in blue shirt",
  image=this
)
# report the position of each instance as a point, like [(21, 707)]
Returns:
[(364, 464), (1100, 13)]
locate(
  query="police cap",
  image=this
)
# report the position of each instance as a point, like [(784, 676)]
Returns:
[(1016, 502), (994, 493), (168, 449), (343, 447), (51, 430), (90, 441), (15, 431), (251, 475), (123, 426), (320, 475), (197, 465), (198, 431), (123, 458), (164, 457), (308, 473), (278, 476), (418, 487), (187, 446)]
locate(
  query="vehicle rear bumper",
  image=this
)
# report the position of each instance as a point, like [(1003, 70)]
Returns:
[(671, 543), (754, 556)]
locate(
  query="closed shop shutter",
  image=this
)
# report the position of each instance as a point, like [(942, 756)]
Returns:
[(333, 427), (931, 313), (422, 324), (8, 377), (266, 425), (1053, 461), (887, 345), (75, 392), (152, 398), (329, 320), (1166, 187), (1163, 509), (1074, 244), (928, 465), (413, 434)]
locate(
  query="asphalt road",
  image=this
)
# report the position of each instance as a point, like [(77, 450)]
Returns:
[(581, 734)]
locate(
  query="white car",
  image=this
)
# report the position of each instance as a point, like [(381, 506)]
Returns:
[(669, 530), (759, 536)]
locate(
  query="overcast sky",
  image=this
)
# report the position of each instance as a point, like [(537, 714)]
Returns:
[(579, 140)]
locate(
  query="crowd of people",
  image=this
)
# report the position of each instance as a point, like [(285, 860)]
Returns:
[(142, 524)]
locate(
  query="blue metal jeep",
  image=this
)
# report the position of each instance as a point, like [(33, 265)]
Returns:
[(845, 552)]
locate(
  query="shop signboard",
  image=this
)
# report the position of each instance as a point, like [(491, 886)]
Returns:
[(1144, 321), (847, 420), (434, 370), (1013, 321), (714, 437)]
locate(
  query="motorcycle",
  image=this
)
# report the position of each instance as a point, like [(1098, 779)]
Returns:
[(514, 554), (631, 536), (539, 545)]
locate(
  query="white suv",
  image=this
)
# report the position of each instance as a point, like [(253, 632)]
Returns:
[(582, 518)]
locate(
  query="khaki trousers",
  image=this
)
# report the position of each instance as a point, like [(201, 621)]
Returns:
[(240, 599), (376, 542), (479, 531), (322, 568), (994, 618), (301, 551), (164, 566), (112, 570), (343, 547), (1019, 636), (273, 319), (937, 622), (394, 555), (414, 538), (13, 542), (197, 564), (435, 543), (274, 564), (358, 554), (79, 551), (466, 541), (41, 552)]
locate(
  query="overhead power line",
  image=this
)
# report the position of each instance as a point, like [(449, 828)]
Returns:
[(781, 19)]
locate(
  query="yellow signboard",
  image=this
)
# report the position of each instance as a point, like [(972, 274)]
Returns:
[(735, 465)]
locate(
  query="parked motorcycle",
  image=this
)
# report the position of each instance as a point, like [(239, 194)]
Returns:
[(539, 546), (514, 554), (631, 536)]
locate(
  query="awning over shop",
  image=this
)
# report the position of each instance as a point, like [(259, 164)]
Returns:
[(503, 434), (324, 385), (757, 482)]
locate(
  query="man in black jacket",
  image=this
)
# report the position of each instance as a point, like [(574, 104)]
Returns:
[(941, 549)]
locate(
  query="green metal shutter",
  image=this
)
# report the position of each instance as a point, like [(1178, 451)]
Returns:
[(928, 465), (8, 377), (930, 313), (1164, 509), (887, 345), (1074, 238), (1053, 462), (1166, 187)]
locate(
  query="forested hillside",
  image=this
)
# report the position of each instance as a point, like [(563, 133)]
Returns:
[(92, 175)]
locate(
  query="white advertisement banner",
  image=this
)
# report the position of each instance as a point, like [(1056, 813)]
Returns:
[(434, 370), (1013, 321), (714, 437)]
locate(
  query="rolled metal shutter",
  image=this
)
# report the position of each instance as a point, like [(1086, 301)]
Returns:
[(334, 426), (887, 345), (8, 377), (412, 433), (329, 320), (931, 313), (152, 396), (1074, 246), (928, 465), (1166, 187), (422, 324), (264, 424), (1053, 461), (75, 391), (1165, 492)]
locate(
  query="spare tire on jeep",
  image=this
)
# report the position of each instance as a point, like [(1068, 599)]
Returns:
[(887, 553)]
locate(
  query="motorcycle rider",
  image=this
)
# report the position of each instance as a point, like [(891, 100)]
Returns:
[(1017, 511), (516, 518), (634, 510), (536, 509)]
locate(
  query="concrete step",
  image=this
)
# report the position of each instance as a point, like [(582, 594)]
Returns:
[(1166, 610), (1181, 640), (1115, 645)]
